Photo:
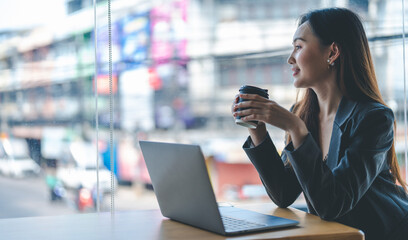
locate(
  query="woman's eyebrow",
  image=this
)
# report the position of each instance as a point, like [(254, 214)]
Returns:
[(298, 38)]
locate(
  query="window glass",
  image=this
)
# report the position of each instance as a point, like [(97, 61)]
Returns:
[(47, 110), (176, 67)]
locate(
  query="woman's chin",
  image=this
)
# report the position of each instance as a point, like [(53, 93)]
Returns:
[(297, 83)]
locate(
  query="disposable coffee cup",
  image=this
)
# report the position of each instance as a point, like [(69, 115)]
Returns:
[(249, 90)]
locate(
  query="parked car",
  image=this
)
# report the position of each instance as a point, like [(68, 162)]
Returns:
[(77, 173), (15, 160), (79, 169)]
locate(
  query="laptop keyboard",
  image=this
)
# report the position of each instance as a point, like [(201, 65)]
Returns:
[(233, 224)]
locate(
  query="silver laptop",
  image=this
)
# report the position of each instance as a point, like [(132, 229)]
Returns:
[(184, 192)]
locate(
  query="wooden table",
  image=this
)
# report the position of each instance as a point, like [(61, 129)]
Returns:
[(150, 224)]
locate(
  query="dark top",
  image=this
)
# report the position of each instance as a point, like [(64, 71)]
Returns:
[(354, 186)]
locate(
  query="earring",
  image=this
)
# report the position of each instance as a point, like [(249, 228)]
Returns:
[(330, 64)]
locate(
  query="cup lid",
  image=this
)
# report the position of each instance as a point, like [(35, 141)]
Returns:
[(254, 90)]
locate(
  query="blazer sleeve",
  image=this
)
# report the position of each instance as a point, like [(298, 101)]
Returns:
[(279, 180), (333, 193)]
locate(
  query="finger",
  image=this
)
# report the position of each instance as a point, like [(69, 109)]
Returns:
[(252, 97), (254, 104), (236, 100), (250, 111), (254, 117), (234, 108)]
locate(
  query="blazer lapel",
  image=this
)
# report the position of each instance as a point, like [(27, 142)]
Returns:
[(334, 147), (344, 111)]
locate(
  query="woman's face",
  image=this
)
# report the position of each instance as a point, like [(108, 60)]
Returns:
[(308, 58)]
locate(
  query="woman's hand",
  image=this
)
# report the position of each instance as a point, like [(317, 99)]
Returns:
[(264, 111), (258, 134), (233, 108)]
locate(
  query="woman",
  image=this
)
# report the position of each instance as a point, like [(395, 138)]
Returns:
[(341, 151)]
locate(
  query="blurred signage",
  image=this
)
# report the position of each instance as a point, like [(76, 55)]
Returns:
[(135, 39), (154, 79), (168, 72), (168, 26), (136, 100), (103, 47), (104, 84)]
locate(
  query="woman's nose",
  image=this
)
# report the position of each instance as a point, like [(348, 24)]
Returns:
[(291, 60)]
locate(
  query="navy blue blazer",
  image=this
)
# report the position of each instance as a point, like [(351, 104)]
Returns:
[(354, 185)]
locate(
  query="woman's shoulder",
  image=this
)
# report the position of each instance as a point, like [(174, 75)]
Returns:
[(368, 106), (366, 109)]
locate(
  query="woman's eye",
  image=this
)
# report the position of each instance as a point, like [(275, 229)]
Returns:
[(297, 47)]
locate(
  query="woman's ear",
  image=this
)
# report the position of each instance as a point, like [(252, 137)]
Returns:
[(334, 52)]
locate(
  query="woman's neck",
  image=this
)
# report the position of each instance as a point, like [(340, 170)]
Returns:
[(329, 97)]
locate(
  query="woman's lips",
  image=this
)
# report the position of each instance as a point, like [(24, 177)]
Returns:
[(295, 71)]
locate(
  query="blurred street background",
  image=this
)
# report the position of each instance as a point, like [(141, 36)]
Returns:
[(176, 67), (30, 197)]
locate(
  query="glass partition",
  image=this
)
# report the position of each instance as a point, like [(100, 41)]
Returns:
[(176, 66)]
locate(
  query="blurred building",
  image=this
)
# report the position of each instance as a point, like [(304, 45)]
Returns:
[(176, 64)]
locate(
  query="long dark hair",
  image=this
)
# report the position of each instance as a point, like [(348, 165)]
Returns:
[(355, 76)]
